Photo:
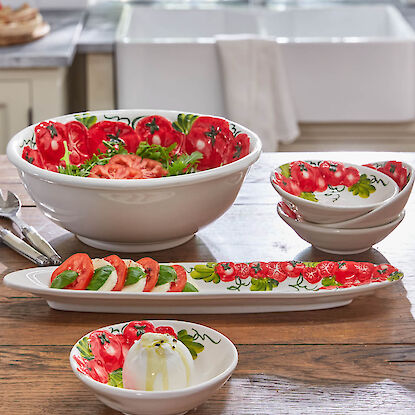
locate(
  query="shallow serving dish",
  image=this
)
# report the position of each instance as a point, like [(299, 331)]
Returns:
[(224, 297), (132, 215), (213, 367), (339, 241), (337, 203)]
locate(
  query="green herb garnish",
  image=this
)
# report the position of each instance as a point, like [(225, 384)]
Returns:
[(100, 277), (166, 274), (64, 279), (134, 274)]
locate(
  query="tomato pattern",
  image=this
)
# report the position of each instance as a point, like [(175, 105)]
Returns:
[(395, 170), (211, 136)]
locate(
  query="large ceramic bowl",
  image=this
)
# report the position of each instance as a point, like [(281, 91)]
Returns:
[(339, 241), (132, 215), (339, 203), (213, 367)]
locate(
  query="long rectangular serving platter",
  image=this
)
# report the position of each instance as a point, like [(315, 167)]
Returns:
[(293, 294)]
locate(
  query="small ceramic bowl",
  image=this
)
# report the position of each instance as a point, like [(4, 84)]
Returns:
[(213, 367), (385, 213), (339, 241), (132, 215), (338, 203)]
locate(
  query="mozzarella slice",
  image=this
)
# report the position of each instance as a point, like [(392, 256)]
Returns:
[(109, 284), (138, 287), (161, 288)]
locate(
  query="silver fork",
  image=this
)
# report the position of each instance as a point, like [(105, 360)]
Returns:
[(9, 208)]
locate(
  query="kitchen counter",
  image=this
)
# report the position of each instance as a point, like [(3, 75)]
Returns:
[(56, 49)]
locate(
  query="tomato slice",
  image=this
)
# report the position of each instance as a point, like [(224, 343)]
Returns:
[(49, 140), (158, 130), (144, 168), (178, 285), (113, 131), (77, 136), (151, 268), (107, 348), (80, 263), (121, 269)]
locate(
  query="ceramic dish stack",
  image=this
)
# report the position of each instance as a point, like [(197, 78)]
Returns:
[(343, 208)]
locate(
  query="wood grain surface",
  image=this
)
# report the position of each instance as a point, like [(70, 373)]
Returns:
[(350, 360)]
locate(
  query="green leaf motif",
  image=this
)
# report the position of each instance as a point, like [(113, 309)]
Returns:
[(115, 378), (134, 274), (166, 274), (397, 275), (363, 187), (285, 170), (194, 347), (263, 284), (309, 196), (206, 273), (64, 279), (311, 264), (86, 120), (100, 277), (85, 349), (184, 123), (329, 282), (189, 288)]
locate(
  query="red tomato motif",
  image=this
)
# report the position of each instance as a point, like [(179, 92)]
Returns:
[(33, 157), (364, 272), (107, 348), (166, 330), (158, 130), (333, 172), (135, 329), (112, 131), (287, 184), (327, 268), (49, 140), (382, 272), (346, 273), (275, 273), (292, 268), (93, 368), (258, 269), (304, 174), (237, 148), (226, 270), (351, 176), (311, 275), (77, 138), (242, 270)]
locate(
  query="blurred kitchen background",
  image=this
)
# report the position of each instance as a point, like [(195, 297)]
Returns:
[(305, 75)]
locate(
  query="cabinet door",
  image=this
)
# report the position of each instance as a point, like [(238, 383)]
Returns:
[(14, 109)]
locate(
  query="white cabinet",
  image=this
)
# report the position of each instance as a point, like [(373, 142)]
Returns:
[(28, 96)]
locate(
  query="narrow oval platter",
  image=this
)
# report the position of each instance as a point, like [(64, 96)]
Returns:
[(237, 296)]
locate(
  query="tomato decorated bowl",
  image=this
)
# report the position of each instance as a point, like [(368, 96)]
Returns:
[(325, 191), (161, 367), (337, 240), (134, 180)]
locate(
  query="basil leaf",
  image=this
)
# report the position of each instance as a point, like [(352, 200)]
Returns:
[(64, 278), (166, 274), (190, 288), (134, 274), (100, 276)]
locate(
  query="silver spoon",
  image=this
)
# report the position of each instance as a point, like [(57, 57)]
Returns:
[(10, 208)]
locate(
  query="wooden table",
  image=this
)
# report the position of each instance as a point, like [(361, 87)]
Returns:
[(350, 360)]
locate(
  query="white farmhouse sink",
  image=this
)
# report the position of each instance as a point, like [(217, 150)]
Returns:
[(344, 63)]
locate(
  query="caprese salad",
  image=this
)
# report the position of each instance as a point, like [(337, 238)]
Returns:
[(146, 147), (80, 272)]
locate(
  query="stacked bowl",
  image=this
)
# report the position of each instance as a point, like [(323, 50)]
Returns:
[(343, 208)]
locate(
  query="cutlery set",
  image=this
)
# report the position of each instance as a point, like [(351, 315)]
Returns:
[(37, 249)]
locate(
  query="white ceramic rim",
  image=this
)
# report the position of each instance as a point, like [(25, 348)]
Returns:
[(15, 156), (309, 203), (156, 394), (28, 285), (326, 230)]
